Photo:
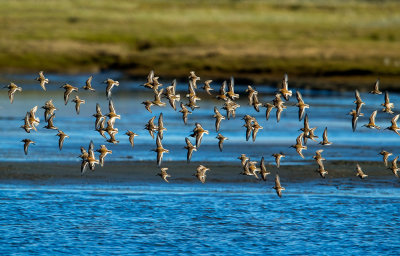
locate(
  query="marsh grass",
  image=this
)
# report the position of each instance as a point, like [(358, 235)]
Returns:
[(218, 38)]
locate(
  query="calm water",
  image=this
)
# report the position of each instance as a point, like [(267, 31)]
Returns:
[(328, 108), (223, 219)]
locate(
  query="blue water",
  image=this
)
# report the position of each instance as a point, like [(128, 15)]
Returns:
[(328, 108), (322, 217), (223, 219)]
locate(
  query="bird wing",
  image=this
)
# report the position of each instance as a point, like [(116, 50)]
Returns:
[(222, 90), (232, 85), (299, 139), (150, 77), (111, 106), (387, 101), (277, 181), (325, 134), (372, 117), (394, 120), (61, 142), (173, 86), (299, 97), (91, 149), (158, 142), (357, 95), (377, 85), (160, 121)]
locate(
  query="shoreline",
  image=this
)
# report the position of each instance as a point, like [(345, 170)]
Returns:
[(181, 172), (338, 82)]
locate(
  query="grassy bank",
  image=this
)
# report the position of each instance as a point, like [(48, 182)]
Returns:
[(256, 40)]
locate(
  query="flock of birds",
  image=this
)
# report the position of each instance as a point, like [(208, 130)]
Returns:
[(105, 123)]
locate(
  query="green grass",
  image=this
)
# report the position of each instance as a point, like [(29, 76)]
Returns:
[(253, 39)]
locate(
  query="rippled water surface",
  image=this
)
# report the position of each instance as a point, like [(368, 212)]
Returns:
[(328, 108), (209, 219)]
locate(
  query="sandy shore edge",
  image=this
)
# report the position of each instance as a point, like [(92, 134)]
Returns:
[(180, 171)]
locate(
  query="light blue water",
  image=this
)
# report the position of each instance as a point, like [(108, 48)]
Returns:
[(209, 219), (328, 108)]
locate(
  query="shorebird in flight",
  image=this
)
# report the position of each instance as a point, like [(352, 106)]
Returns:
[(160, 126), (255, 127), (157, 99), (231, 90), (250, 94), (253, 168), (151, 127), (243, 158), (385, 155), (201, 173), (50, 124), (27, 142), (207, 87), (221, 139), (318, 157), (387, 105), (163, 174), (68, 90), (325, 141), (278, 186), (42, 80), (12, 88), (193, 78), (360, 172), (190, 148), (222, 92), (230, 107), (49, 109), (371, 123), (27, 125), (278, 157), (218, 118), (263, 170), (269, 107), (198, 133), (394, 167), (302, 106), (61, 139), (99, 116), (354, 119), (358, 102), (286, 93), (170, 94), (147, 104), (78, 103), (88, 84), (299, 145), (110, 84), (103, 150), (185, 113), (160, 151), (376, 88), (394, 126), (132, 136), (112, 115)]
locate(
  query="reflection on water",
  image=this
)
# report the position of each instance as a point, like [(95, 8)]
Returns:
[(198, 219), (328, 108)]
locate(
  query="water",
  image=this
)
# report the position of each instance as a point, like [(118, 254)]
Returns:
[(86, 217), (328, 109), (224, 219)]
